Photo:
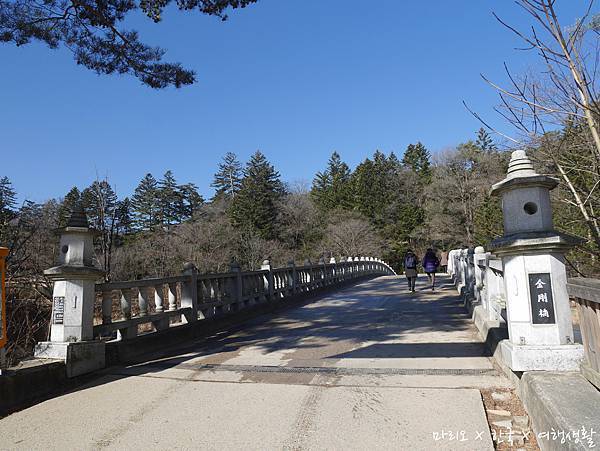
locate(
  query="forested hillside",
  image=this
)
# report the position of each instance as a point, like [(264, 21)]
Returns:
[(382, 207)]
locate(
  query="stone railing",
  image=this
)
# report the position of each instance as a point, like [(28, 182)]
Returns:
[(586, 294), (142, 306), (479, 278)]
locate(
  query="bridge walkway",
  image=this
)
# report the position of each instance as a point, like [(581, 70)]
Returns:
[(369, 367)]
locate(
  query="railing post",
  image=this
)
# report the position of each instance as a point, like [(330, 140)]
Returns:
[(479, 275), (293, 277), (322, 273), (309, 275), (237, 288), (268, 279), (189, 293), (494, 288), (334, 271), (462, 268), (107, 301), (342, 267)]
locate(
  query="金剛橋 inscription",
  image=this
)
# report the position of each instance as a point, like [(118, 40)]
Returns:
[(542, 301)]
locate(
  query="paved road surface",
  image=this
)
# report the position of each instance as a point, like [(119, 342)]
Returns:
[(369, 367)]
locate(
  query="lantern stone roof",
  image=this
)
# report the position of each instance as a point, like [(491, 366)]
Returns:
[(521, 174), (550, 241), (78, 217)]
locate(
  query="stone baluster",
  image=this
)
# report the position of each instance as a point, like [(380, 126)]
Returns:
[(172, 290), (159, 298), (143, 301), (129, 331), (322, 272), (189, 292), (126, 303), (309, 275)]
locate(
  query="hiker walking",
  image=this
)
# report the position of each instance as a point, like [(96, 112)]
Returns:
[(430, 265), (410, 269)]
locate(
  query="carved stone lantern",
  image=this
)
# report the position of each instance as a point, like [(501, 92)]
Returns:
[(73, 296), (538, 312)]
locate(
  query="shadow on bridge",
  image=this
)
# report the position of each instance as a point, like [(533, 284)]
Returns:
[(344, 325)]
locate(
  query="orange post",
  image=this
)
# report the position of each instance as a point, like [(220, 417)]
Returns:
[(3, 338)]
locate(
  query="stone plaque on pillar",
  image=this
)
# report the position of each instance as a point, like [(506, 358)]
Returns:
[(58, 310), (542, 300)]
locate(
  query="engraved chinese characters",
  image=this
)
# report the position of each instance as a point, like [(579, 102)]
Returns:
[(542, 301), (58, 316)]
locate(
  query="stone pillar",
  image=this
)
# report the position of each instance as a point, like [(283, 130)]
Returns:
[(293, 277), (268, 279), (236, 288), (72, 333), (538, 312), (189, 292), (464, 259), (479, 260), (494, 285)]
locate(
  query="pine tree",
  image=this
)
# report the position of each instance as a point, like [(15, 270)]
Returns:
[(8, 200), (191, 200), (373, 187), (124, 219), (488, 220), (484, 141), (170, 200), (228, 179), (330, 188), (417, 158), (99, 201), (255, 207), (67, 204), (145, 204)]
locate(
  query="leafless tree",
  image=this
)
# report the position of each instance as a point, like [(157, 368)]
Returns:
[(561, 95), (350, 234)]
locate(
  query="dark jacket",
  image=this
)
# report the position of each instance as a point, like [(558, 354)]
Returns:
[(410, 261), (430, 262)]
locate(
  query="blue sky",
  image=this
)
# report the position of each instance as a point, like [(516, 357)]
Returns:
[(294, 78)]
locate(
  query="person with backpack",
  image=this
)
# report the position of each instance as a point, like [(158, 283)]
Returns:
[(430, 265), (410, 269)]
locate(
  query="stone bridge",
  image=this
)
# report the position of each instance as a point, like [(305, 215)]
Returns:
[(366, 366), (333, 355)]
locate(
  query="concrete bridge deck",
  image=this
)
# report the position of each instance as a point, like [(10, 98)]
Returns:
[(368, 367)]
